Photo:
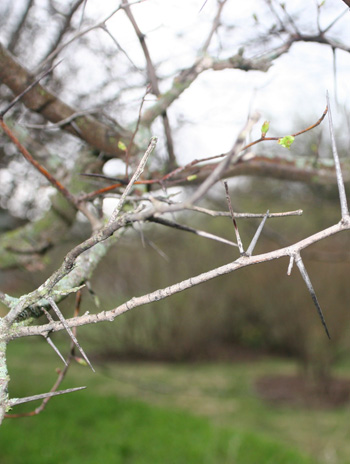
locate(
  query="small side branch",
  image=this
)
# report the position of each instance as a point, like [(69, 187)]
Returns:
[(53, 181), (135, 177)]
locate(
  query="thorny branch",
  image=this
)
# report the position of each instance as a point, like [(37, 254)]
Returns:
[(157, 208), (20, 319)]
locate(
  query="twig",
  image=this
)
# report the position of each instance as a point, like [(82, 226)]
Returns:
[(62, 122), (128, 148), (82, 14), (66, 24), (202, 6), (261, 139), (85, 31), (213, 213), (154, 87), (53, 181), (215, 25), (17, 32), (335, 20), (137, 174)]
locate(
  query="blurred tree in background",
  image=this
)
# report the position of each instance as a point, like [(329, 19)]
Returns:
[(94, 82)]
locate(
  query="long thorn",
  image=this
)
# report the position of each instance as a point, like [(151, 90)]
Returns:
[(305, 276), (51, 343), (340, 181), (69, 331), (257, 235), (238, 237), (15, 401)]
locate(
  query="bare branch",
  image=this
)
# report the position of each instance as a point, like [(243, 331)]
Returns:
[(79, 34), (65, 26), (37, 165), (242, 261), (153, 79), (39, 99), (215, 25), (17, 32)]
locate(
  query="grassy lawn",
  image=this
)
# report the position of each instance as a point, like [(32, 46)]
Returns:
[(161, 413), (108, 429)]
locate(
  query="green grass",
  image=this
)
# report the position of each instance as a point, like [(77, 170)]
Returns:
[(161, 413), (90, 429)]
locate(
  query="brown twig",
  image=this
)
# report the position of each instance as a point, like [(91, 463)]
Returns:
[(154, 87), (53, 181), (175, 172), (128, 148)]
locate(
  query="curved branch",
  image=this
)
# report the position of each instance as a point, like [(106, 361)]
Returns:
[(40, 100)]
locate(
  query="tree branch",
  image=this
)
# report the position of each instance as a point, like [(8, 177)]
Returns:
[(40, 100)]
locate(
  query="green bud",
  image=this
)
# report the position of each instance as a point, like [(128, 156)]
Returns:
[(264, 128), (286, 141)]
